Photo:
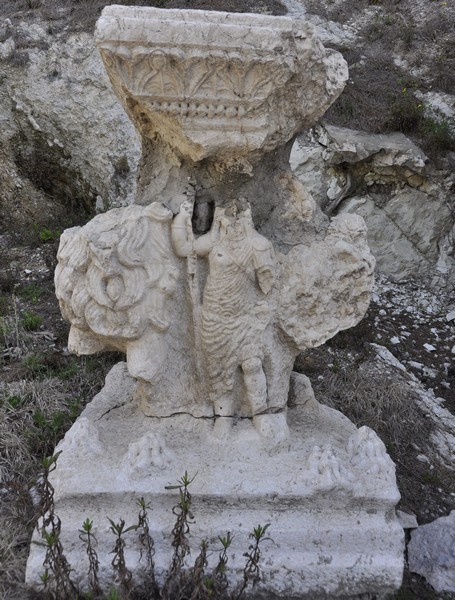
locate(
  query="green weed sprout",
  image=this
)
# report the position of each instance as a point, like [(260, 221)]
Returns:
[(123, 574), (86, 535)]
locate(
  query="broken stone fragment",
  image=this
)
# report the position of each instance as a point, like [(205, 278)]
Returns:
[(390, 149), (407, 520), (265, 78), (431, 553)]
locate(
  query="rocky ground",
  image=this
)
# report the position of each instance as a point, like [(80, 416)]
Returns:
[(394, 372)]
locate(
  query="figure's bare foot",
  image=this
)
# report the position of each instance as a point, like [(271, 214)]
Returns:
[(258, 405), (272, 427), (222, 428)]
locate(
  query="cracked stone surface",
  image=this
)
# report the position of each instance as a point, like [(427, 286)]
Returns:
[(328, 491), (212, 283)]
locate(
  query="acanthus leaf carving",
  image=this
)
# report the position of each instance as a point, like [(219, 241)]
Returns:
[(218, 85)]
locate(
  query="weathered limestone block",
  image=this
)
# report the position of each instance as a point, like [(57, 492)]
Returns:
[(431, 553), (269, 73), (63, 105), (383, 178), (212, 283), (7, 49), (327, 285), (405, 232), (385, 150), (328, 492)]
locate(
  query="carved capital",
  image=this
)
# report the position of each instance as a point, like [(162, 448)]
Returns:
[(217, 84)]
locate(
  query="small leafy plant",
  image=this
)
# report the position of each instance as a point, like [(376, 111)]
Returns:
[(48, 235), (56, 578), (31, 293), (180, 582), (87, 536), (251, 571), (35, 364), (31, 321), (180, 541), (123, 574), (147, 548)]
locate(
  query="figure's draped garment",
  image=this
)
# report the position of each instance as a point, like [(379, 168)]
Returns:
[(233, 314)]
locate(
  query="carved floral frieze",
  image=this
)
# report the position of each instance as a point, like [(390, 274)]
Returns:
[(217, 82)]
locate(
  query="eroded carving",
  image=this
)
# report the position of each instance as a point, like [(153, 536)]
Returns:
[(114, 279), (325, 468), (243, 308), (261, 72), (327, 285), (234, 311), (368, 454), (144, 455), (212, 324), (196, 85), (83, 438)]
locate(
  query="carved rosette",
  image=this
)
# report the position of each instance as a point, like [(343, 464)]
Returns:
[(215, 83)]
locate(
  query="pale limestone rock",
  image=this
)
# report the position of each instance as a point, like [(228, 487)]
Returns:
[(5, 29), (326, 285), (7, 48), (211, 323), (67, 93), (83, 437), (269, 73), (431, 553), (332, 518), (405, 234), (407, 520), (439, 106), (385, 150), (300, 390), (382, 178)]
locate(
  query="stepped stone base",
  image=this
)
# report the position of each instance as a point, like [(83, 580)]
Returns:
[(327, 489)]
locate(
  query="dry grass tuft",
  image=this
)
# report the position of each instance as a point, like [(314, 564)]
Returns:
[(381, 93), (375, 400), (34, 414)]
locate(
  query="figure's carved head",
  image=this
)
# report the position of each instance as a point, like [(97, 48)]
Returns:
[(234, 220)]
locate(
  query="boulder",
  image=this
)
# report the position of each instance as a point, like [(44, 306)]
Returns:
[(68, 115), (383, 178), (431, 553)]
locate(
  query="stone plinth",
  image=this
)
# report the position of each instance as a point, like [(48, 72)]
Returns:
[(328, 492)]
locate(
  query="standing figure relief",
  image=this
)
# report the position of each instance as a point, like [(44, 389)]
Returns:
[(234, 311)]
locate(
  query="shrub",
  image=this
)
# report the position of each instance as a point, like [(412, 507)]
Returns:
[(439, 134), (31, 293), (31, 321), (180, 583), (48, 235)]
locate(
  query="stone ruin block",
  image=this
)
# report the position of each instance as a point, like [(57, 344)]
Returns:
[(212, 283)]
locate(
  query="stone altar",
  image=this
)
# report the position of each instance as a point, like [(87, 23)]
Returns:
[(212, 283)]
